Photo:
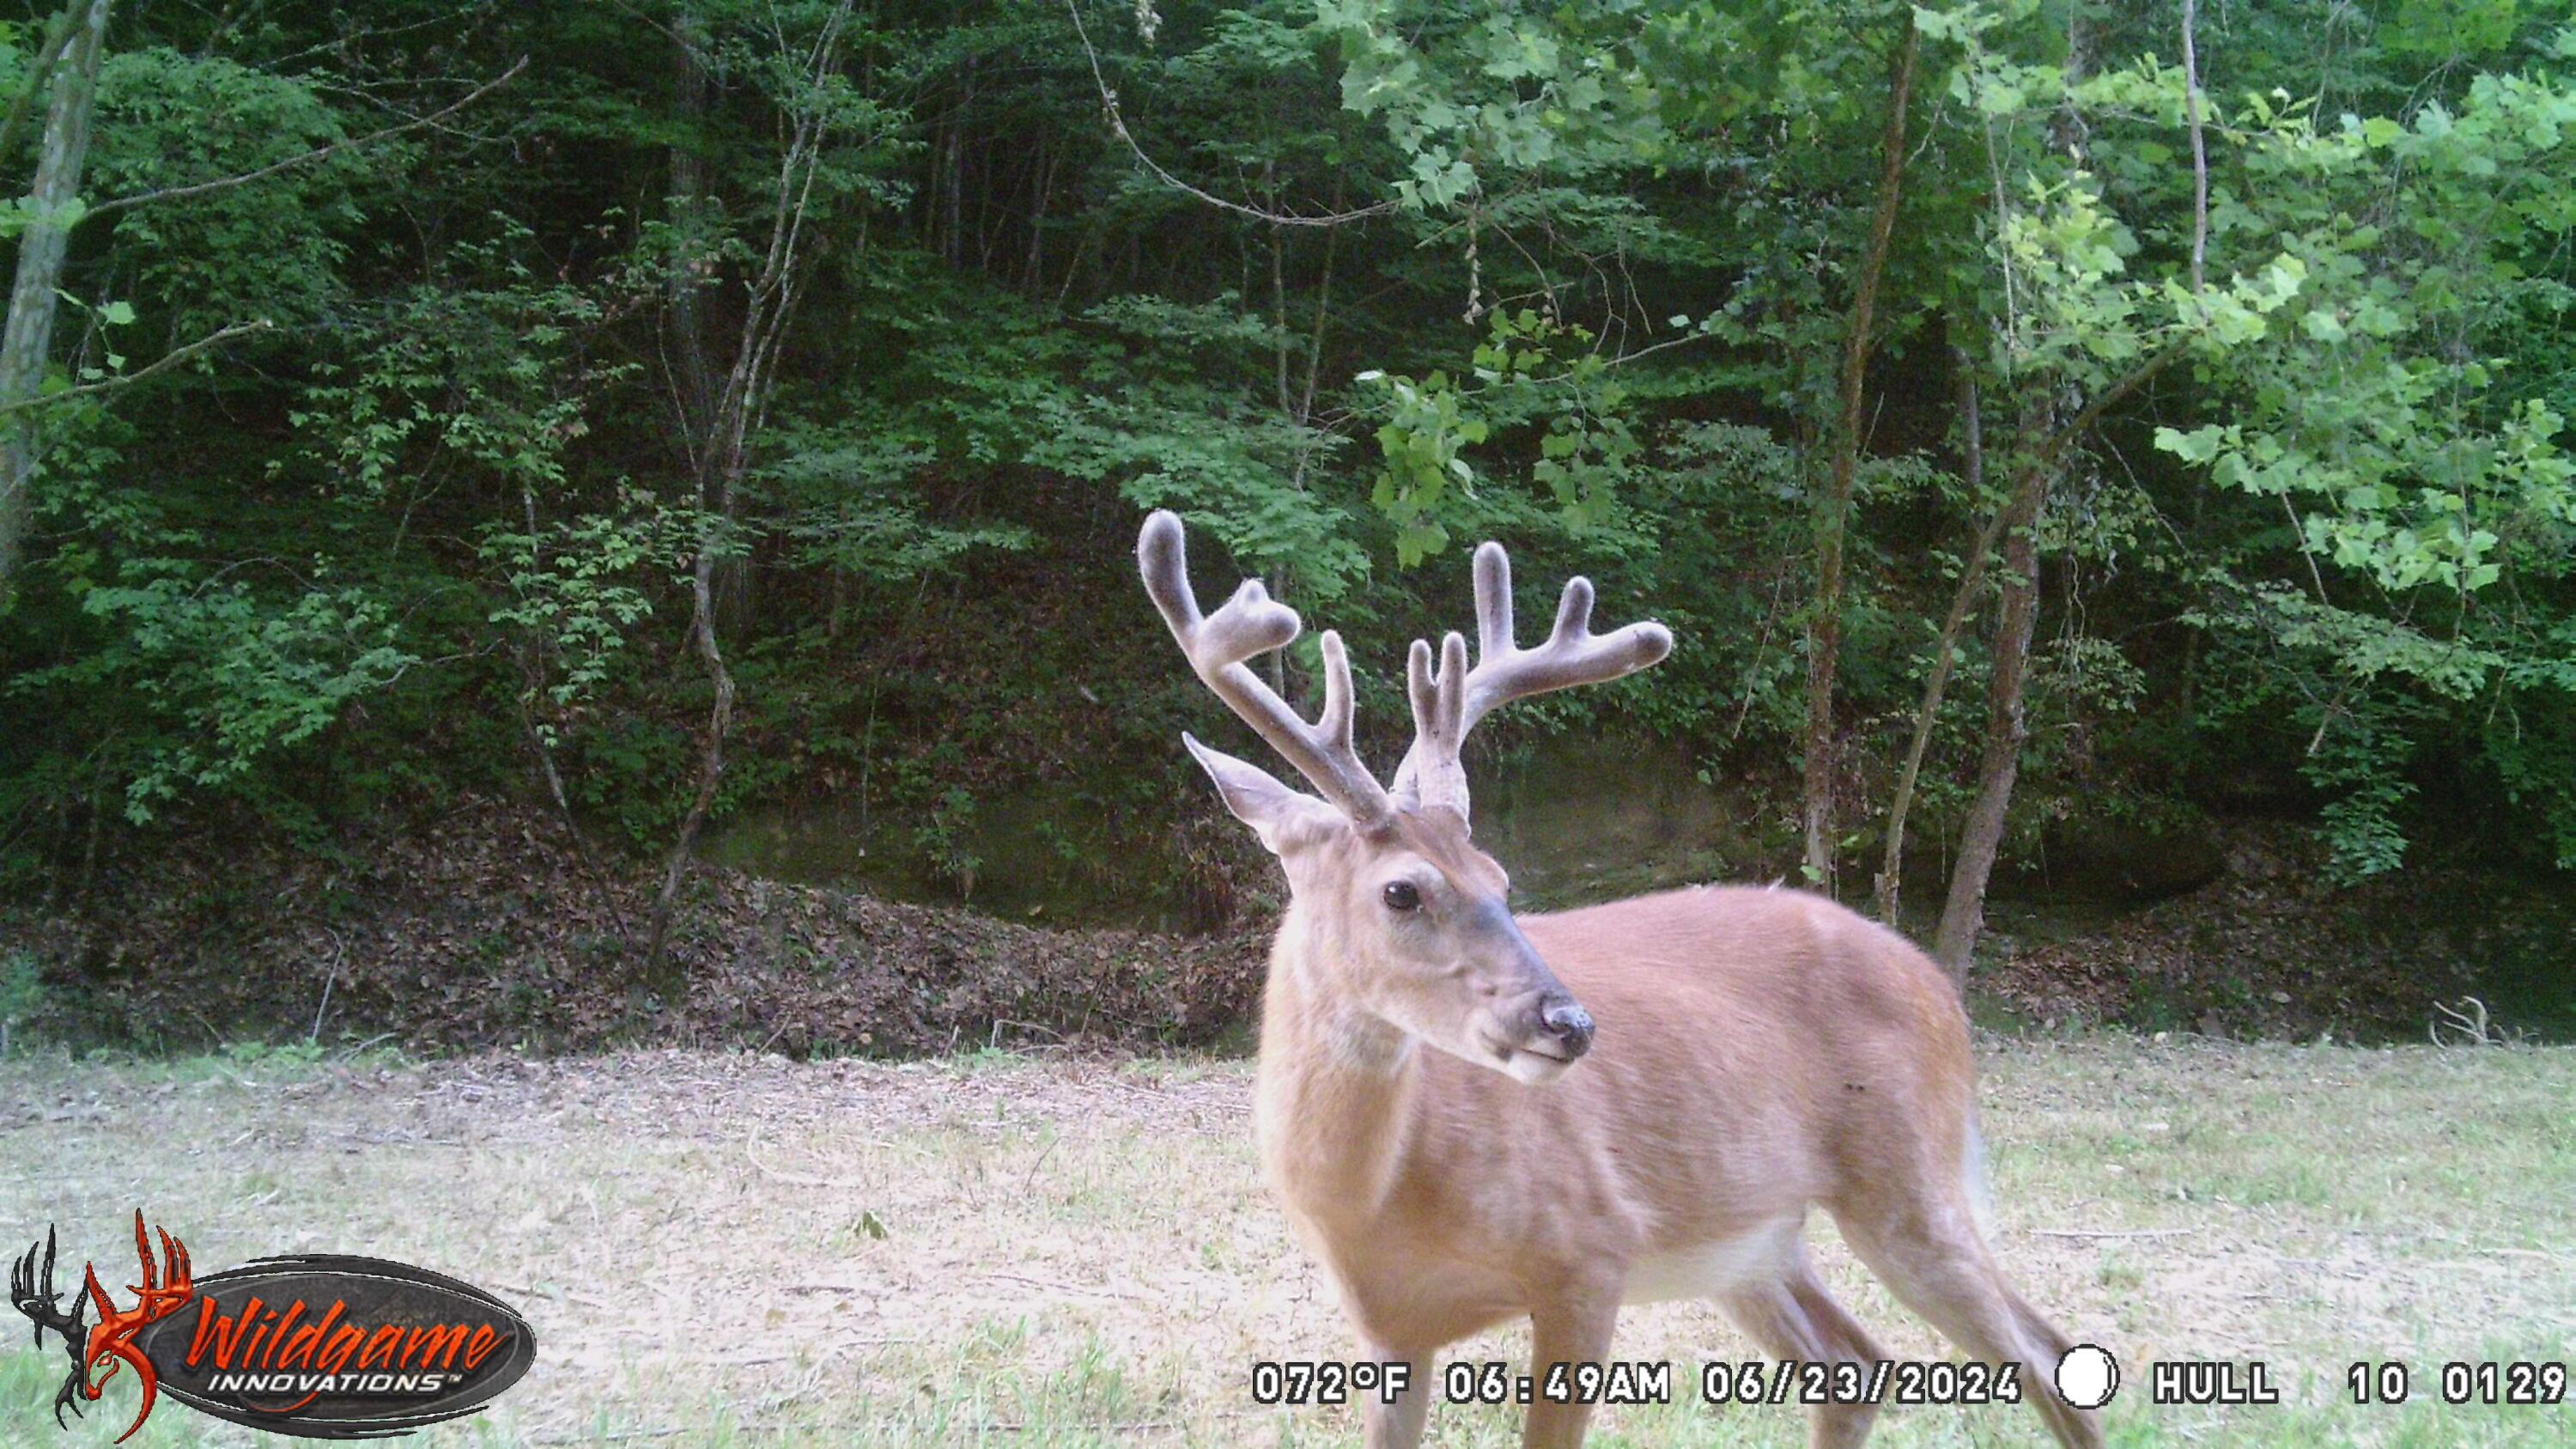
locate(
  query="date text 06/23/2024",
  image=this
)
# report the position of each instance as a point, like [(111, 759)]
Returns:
[(2088, 1377)]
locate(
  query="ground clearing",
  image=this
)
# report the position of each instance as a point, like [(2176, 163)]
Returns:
[(1007, 1250)]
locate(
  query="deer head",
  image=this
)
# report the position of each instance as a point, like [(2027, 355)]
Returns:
[(1407, 920)]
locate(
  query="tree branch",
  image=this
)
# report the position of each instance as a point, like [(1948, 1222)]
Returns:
[(163, 364), (1889, 885), (1118, 124), (2136, 377), (318, 153)]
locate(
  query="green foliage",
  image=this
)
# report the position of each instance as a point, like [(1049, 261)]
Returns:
[(945, 837), (1477, 99), (1421, 440), (224, 676), (294, 1056), (576, 588), (2396, 427), (277, 249), (23, 995), (1588, 292), (851, 501)]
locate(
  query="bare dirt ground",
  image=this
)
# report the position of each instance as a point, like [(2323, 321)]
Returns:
[(998, 1249)]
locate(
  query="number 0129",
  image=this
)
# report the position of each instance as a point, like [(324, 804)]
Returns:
[(2518, 1382)]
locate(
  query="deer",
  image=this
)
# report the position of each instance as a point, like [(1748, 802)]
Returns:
[(1470, 1116)]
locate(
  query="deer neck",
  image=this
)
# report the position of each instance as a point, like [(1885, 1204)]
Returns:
[(1337, 1087)]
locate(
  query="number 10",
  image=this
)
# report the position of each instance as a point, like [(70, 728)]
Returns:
[(2387, 1381)]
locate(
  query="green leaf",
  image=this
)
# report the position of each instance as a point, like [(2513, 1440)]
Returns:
[(2197, 446)]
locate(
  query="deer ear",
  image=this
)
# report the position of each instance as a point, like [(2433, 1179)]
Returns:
[(1284, 819)]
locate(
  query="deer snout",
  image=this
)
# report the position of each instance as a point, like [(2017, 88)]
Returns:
[(1565, 1023)]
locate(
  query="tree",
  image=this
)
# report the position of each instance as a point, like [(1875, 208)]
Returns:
[(66, 71), (1833, 509), (66, 67), (720, 414), (733, 410)]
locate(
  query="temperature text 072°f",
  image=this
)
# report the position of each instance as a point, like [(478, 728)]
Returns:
[(1304, 1381)]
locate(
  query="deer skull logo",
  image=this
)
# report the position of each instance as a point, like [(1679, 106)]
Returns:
[(109, 1342)]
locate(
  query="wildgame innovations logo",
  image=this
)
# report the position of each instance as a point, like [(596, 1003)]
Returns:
[(319, 1346)]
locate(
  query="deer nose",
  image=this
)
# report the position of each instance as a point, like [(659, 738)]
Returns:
[(1570, 1026)]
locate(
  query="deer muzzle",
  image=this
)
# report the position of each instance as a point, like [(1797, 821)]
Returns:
[(1549, 1029), (1565, 1025)]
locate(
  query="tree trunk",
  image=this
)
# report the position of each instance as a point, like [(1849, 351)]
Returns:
[(2007, 726), (40, 68), (2199, 147), (1963, 915), (954, 168), (693, 391), (688, 281), (1825, 620), (26, 342), (687, 289), (711, 764), (1963, 602), (720, 455)]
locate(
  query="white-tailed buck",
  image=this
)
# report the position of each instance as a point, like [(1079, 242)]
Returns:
[(1745, 1055)]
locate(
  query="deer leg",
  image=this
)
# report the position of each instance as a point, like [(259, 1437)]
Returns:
[(1932, 1258), (1572, 1329), (1795, 1318), (1396, 1423)]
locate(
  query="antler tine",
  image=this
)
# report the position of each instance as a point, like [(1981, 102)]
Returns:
[(1572, 655), (1493, 573), (1439, 721), (1249, 624), (1504, 671)]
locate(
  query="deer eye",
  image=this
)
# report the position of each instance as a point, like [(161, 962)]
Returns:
[(1401, 896)]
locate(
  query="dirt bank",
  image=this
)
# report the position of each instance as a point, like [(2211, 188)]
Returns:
[(489, 927)]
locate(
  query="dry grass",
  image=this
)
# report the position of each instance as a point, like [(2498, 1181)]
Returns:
[(730, 1249)]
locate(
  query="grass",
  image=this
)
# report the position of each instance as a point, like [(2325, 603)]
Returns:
[(726, 1249)]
